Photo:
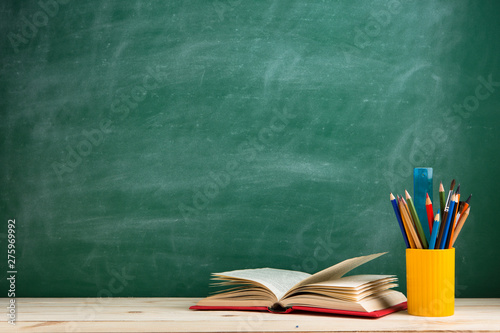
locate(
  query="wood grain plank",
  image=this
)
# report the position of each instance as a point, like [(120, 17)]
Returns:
[(173, 315)]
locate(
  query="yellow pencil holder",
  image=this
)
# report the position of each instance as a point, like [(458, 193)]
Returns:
[(430, 282)]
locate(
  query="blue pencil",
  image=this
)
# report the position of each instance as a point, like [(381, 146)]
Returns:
[(435, 230), (400, 221), (448, 222)]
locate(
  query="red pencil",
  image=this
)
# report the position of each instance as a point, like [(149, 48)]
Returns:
[(430, 213)]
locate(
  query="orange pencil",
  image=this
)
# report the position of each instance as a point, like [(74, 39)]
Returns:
[(466, 204), (462, 208), (406, 224), (460, 224), (412, 221), (430, 212), (405, 205), (411, 227)]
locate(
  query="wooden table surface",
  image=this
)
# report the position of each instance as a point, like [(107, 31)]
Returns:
[(173, 315)]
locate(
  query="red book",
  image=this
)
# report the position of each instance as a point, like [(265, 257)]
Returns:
[(328, 291), (372, 314)]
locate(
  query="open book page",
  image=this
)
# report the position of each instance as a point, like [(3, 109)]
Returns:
[(278, 281), (380, 300), (356, 282), (336, 271), (351, 288)]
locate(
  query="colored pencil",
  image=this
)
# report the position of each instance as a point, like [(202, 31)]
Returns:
[(409, 218), (466, 204), (448, 199), (460, 224), (406, 223), (462, 208), (444, 217), (444, 226), (400, 221), (416, 220), (435, 229), (411, 228), (446, 230), (453, 218), (430, 212), (442, 200), (451, 227), (405, 205), (411, 225)]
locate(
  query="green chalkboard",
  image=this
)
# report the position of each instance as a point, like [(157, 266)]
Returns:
[(145, 145)]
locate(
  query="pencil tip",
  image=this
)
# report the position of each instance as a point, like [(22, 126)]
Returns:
[(458, 189), (392, 196), (407, 194), (468, 199), (441, 187)]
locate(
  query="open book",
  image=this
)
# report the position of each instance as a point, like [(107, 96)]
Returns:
[(279, 290)]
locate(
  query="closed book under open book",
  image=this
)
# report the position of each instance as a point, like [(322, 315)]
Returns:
[(327, 291)]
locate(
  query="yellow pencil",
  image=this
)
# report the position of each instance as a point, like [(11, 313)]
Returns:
[(411, 220), (405, 224), (404, 211), (418, 226)]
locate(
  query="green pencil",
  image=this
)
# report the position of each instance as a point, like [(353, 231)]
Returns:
[(418, 226)]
